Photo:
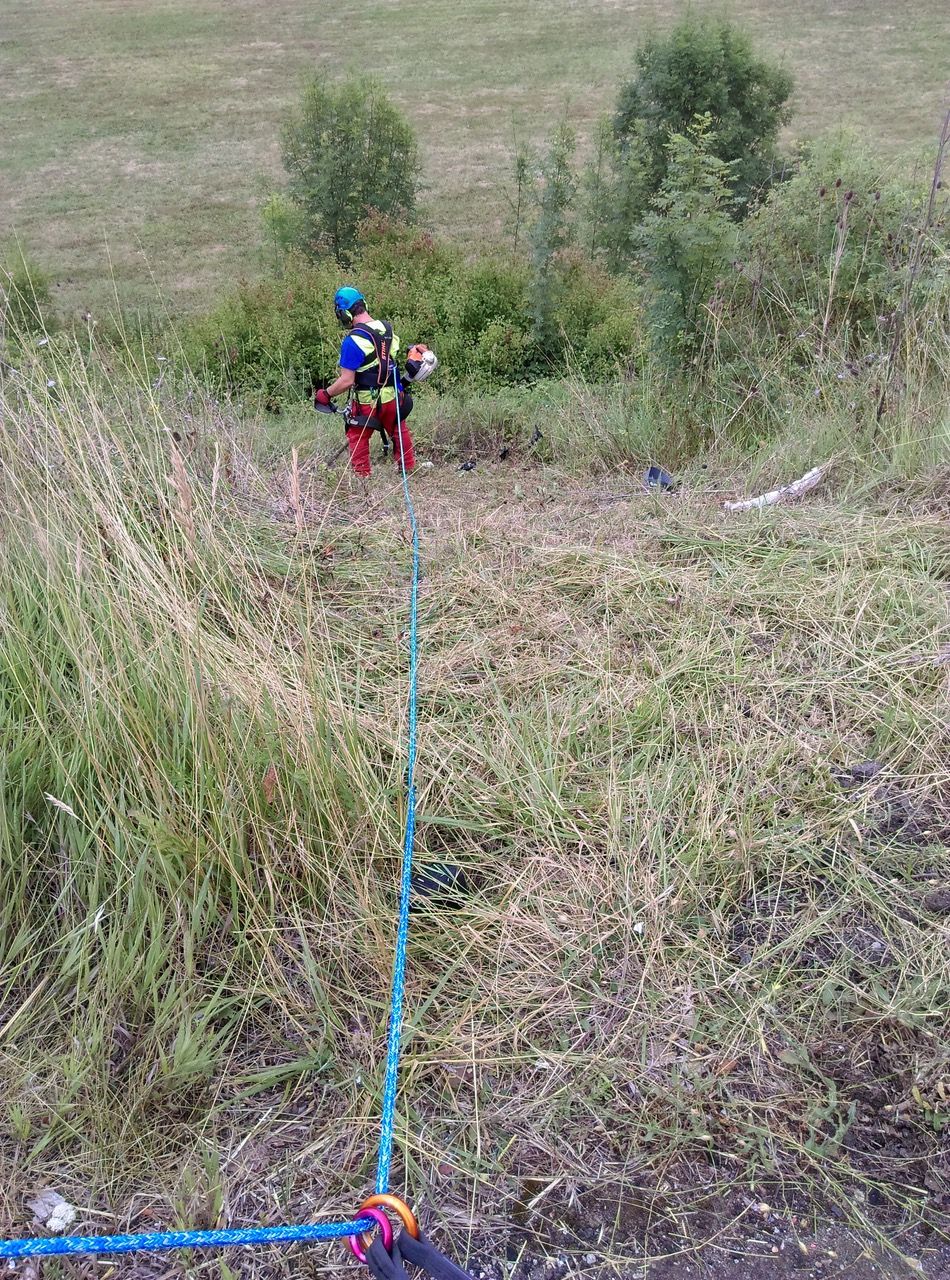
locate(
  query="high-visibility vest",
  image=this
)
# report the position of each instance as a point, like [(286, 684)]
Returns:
[(374, 378)]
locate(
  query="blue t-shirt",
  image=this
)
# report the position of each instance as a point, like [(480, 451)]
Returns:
[(351, 357)]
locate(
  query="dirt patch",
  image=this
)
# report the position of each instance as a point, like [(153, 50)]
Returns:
[(727, 1233)]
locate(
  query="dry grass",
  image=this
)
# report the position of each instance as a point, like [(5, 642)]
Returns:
[(137, 138), (701, 960)]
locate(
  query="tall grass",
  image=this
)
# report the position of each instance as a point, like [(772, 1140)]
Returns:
[(698, 946)]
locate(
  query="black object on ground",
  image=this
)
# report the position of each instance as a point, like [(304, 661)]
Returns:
[(535, 436), (657, 478), (468, 466), (440, 884)]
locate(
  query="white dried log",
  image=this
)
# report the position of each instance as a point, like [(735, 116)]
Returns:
[(794, 490)]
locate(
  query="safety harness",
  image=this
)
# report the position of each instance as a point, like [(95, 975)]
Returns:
[(373, 377)]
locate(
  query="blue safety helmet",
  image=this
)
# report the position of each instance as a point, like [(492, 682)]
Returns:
[(344, 300)]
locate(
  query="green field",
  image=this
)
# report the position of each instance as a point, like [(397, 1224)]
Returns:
[(137, 137)]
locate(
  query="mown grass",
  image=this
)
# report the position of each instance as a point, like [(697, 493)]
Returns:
[(137, 140), (700, 950)]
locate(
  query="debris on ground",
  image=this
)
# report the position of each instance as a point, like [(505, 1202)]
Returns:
[(439, 884), (857, 774), (657, 478), (794, 490), (52, 1211)]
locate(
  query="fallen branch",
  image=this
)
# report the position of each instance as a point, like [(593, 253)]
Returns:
[(794, 490)]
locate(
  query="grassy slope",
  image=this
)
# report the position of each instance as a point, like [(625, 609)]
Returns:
[(138, 133), (692, 955)]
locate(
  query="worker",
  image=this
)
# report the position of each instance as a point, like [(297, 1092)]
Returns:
[(368, 372)]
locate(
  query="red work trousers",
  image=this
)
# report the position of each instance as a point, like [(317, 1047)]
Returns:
[(358, 438)]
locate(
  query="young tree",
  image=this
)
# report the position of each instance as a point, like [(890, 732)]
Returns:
[(704, 68), (687, 239), (553, 229), (521, 173), (348, 153)]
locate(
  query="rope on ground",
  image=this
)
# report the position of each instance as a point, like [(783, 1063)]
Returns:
[(159, 1241), (397, 996)]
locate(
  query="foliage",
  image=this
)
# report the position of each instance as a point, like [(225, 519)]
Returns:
[(702, 67), (25, 298), (518, 199), (348, 152), (552, 231), (266, 340), (284, 227), (823, 261), (622, 178), (687, 239)]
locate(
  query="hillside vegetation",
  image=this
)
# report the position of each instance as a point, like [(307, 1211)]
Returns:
[(139, 138), (687, 765), (694, 767)]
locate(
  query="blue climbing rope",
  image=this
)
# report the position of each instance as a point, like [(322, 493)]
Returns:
[(158, 1241), (397, 997)]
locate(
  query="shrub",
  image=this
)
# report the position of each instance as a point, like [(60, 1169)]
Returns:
[(823, 260), (25, 299), (625, 194), (700, 68), (614, 345), (266, 340), (284, 226), (687, 239), (348, 152), (554, 194)]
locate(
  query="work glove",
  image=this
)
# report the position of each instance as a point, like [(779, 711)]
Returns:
[(321, 397)]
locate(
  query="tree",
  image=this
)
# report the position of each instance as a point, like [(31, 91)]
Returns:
[(553, 229), (348, 153), (687, 239), (703, 68)]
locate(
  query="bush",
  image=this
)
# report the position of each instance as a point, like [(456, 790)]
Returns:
[(554, 193), (348, 153), (823, 260), (687, 239), (25, 300), (264, 339), (267, 339), (700, 68), (284, 226)]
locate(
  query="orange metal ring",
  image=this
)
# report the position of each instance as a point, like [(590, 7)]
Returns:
[(385, 1201)]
